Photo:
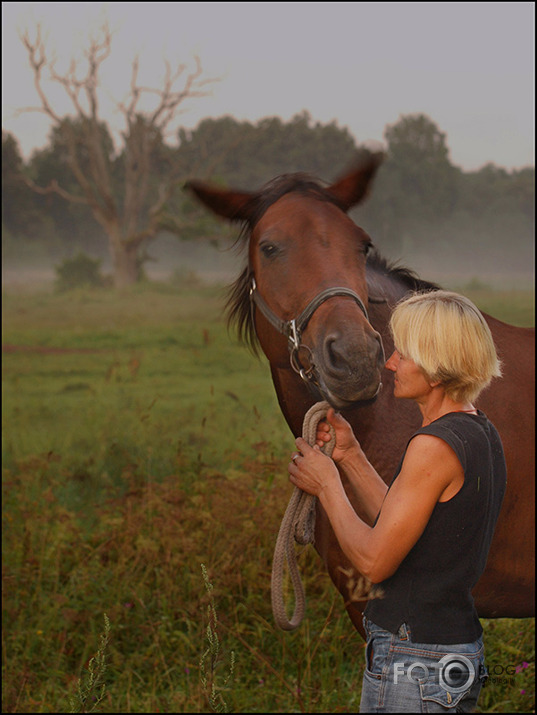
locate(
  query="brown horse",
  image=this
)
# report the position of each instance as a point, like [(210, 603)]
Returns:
[(317, 299)]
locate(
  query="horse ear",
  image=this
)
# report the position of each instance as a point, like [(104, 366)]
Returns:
[(352, 188), (224, 202)]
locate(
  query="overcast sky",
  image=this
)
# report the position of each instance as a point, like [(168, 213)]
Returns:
[(468, 66)]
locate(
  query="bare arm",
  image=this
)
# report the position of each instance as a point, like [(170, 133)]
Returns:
[(353, 464), (430, 470)]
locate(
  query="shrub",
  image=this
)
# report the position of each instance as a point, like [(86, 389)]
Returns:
[(78, 271)]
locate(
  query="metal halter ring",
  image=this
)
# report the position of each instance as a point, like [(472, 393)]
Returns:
[(292, 329)]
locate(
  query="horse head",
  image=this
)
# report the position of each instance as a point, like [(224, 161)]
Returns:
[(303, 293)]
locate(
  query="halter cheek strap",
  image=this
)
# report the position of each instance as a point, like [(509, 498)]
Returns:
[(293, 329)]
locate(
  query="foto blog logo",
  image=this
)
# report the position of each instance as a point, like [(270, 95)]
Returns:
[(454, 673)]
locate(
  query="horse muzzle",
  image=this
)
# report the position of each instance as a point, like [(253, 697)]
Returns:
[(347, 369)]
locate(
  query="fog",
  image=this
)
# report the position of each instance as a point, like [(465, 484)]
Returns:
[(454, 262)]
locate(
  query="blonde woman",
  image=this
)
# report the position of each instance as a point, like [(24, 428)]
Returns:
[(429, 533)]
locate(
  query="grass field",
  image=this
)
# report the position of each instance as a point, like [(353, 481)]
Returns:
[(142, 444)]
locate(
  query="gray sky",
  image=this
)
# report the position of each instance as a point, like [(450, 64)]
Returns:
[(468, 66)]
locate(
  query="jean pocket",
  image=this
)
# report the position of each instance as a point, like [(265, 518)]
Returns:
[(374, 670), (434, 692), (457, 678)]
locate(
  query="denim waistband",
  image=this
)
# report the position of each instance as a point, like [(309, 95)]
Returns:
[(404, 634)]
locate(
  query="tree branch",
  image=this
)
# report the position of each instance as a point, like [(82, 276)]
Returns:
[(54, 188), (97, 53), (36, 53), (170, 99), (98, 195)]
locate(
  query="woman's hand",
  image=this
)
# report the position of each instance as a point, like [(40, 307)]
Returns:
[(311, 470), (346, 442)]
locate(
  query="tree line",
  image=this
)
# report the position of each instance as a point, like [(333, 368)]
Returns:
[(81, 192)]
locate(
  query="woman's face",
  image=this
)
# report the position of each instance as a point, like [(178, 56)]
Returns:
[(409, 380)]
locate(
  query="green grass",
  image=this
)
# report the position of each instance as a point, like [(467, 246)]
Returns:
[(512, 306), (140, 441)]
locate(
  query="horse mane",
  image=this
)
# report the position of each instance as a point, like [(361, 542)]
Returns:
[(403, 275), (238, 304)]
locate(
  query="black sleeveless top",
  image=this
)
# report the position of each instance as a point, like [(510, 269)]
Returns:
[(431, 589)]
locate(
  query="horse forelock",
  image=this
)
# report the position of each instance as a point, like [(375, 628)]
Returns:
[(300, 183)]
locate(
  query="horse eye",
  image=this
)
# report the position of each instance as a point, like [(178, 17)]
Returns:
[(269, 250), (367, 248)]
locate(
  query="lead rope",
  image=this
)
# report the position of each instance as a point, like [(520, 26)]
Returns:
[(299, 523)]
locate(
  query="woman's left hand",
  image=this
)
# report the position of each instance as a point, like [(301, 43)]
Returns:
[(310, 469)]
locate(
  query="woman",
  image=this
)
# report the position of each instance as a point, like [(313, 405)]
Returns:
[(429, 533)]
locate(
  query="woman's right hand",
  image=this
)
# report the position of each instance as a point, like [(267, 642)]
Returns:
[(346, 442)]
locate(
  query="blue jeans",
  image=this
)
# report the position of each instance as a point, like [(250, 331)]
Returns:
[(406, 677)]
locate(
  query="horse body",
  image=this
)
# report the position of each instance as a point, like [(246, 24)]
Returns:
[(300, 243)]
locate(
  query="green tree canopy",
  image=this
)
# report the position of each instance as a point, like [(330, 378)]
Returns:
[(248, 155), (20, 216)]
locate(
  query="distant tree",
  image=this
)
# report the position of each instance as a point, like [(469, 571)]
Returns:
[(417, 183), (131, 215), (492, 190), (247, 155), (20, 218), (496, 209), (419, 167), (74, 225)]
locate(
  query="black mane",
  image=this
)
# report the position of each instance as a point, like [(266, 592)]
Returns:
[(401, 274)]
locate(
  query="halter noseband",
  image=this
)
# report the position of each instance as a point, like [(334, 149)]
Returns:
[(293, 329)]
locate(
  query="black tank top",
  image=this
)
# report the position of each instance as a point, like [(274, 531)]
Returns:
[(431, 589)]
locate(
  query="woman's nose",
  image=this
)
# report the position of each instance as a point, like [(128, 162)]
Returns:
[(391, 362)]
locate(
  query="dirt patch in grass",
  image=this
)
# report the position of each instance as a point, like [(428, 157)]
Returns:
[(49, 350)]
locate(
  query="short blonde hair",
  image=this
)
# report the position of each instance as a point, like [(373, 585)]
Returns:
[(447, 337)]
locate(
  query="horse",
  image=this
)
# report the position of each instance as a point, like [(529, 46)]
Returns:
[(316, 297)]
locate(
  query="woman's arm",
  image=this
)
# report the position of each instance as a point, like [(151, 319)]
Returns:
[(429, 469), (352, 463)]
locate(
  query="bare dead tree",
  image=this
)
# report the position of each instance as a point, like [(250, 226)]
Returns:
[(134, 220)]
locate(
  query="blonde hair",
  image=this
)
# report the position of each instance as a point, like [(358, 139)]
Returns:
[(447, 337)]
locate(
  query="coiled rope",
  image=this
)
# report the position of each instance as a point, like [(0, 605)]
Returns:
[(298, 523)]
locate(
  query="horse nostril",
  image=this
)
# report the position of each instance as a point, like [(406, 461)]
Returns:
[(345, 356), (334, 353)]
